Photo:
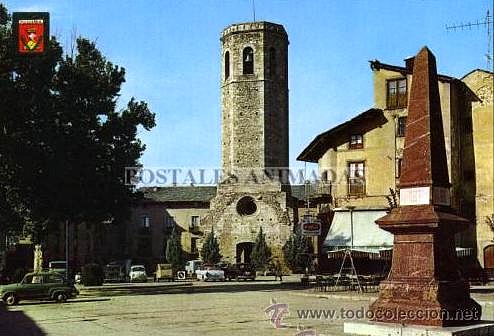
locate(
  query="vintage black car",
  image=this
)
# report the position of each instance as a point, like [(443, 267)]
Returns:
[(41, 285), (240, 271)]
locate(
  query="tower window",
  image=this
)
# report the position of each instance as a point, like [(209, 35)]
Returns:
[(248, 61), (272, 61), (227, 64)]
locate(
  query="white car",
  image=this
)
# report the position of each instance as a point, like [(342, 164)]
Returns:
[(138, 274), (210, 273)]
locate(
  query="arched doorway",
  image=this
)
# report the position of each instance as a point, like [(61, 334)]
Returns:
[(489, 257), (243, 252)]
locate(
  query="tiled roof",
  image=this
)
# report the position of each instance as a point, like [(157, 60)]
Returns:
[(180, 193), (298, 191), (377, 65), (319, 145), (198, 193)]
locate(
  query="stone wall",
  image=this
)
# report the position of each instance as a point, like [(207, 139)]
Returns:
[(255, 106)]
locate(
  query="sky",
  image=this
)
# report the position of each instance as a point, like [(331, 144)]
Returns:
[(171, 52)]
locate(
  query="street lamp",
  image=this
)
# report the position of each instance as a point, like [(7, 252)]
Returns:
[(351, 208)]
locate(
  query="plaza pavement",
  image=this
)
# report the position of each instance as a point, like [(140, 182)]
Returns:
[(229, 308)]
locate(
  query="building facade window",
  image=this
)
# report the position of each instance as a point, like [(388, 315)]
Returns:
[(396, 93), (145, 225), (356, 141), (356, 178), (401, 127), (168, 224), (194, 222), (248, 61), (227, 65)]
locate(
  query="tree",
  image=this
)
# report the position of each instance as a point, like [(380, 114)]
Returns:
[(174, 253), (64, 144), (210, 251), (261, 253), (297, 252)]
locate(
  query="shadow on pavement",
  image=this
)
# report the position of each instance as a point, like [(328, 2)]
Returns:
[(36, 303), (188, 288), (16, 323)]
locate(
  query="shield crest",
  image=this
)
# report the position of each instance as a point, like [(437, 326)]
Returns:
[(31, 36)]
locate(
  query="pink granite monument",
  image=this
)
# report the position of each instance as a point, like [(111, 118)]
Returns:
[(424, 286)]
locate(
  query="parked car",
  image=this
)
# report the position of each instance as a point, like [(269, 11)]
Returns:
[(164, 272), (192, 266), (210, 273), (115, 273), (241, 271), (41, 285), (138, 273)]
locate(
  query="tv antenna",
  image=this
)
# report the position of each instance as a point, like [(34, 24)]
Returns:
[(254, 9), (487, 22)]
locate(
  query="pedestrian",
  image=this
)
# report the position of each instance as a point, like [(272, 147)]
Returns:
[(278, 272)]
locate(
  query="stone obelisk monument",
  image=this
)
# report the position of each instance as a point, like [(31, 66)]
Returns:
[(424, 286)]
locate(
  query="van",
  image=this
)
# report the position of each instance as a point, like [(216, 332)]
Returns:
[(191, 266)]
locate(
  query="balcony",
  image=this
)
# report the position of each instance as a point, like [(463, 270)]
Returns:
[(323, 188), (356, 186)]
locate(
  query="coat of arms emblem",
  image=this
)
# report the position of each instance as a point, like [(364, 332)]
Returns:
[(32, 32)]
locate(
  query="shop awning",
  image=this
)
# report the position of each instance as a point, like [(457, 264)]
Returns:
[(367, 236)]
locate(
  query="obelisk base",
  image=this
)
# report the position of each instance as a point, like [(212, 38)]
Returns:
[(384, 329), (425, 302), (424, 286)]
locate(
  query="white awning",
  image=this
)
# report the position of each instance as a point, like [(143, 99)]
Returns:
[(367, 236)]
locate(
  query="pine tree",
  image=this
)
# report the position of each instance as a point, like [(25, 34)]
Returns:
[(210, 251), (261, 253), (290, 252), (297, 252), (174, 252)]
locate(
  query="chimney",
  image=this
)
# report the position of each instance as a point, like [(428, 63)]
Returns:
[(409, 63)]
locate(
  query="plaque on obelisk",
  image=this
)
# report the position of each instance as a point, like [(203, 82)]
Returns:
[(424, 286)]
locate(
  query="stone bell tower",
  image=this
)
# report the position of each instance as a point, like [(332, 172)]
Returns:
[(254, 100), (254, 94)]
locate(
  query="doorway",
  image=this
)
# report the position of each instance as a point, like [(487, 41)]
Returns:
[(489, 257), (243, 252)]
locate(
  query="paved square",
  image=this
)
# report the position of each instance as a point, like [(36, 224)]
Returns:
[(224, 308)]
